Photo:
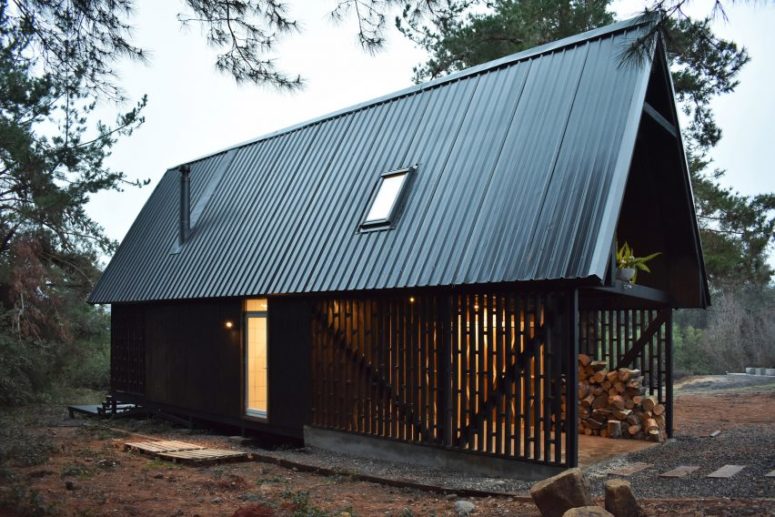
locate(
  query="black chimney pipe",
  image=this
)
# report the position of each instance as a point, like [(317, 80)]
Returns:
[(185, 203)]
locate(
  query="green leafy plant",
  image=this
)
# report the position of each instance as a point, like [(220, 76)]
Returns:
[(626, 259)]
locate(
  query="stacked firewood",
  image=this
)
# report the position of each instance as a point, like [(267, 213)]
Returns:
[(614, 403)]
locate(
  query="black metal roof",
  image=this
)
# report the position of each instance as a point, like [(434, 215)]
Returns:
[(521, 168)]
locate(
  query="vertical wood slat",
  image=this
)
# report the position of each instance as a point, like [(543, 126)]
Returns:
[(379, 370)]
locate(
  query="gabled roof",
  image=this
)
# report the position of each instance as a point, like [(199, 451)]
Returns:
[(521, 169)]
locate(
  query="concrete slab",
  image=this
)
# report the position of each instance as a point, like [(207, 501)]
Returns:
[(679, 472), (727, 471), (629, 470), (770, 475)]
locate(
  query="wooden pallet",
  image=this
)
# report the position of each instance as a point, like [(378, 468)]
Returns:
[(184, 452), (159, 446), (203, 455)]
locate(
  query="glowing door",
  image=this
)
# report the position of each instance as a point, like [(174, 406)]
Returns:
[(256, 360)]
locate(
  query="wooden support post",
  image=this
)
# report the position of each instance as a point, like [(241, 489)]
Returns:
[(669, 372), (444, 388), (571, 316)]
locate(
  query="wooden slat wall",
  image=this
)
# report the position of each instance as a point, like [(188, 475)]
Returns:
[(470, 371), (607, 335), (127, 353)]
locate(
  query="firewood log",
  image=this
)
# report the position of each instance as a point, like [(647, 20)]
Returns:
[(633, 429), (614, 429), (616, 401), (600, 376), (628, 403), (606, 385), (612, 375), (598, 365), (588, 400), (648, 403), (584, 359), (600, 401), (583, 390), (622, 414), (659, 409), (637, 399), (626, 374), (619, 387)]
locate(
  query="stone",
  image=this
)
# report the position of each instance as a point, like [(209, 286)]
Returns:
[(464, 508), (619, 499), (558, 494), (587, 511), (69, 485)]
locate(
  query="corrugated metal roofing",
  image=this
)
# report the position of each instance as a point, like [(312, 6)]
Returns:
[(521, 169)]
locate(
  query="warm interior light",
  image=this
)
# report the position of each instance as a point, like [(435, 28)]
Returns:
[(411, 299), (229, 325)]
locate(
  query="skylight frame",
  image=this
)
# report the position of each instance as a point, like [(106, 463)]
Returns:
[(388, 222)]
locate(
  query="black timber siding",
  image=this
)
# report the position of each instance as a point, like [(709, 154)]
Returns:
[(188, 361)]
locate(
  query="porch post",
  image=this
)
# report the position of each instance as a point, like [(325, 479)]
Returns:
[(571, 378), (669, 372)]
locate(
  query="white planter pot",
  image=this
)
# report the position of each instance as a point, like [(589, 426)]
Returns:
[(626, 274)]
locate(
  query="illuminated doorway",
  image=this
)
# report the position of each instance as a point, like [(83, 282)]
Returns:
[(256, 359)]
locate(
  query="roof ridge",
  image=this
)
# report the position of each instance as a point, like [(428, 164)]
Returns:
[(523, 55)]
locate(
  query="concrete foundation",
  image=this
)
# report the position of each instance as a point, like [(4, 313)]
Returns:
[(428, 456)]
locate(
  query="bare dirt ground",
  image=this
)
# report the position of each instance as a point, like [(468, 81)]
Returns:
[(51, 465)]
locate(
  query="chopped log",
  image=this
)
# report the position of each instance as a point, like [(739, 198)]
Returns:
[(637, 399), (633, 430), (600, 376), (598, 365), (600, 401), (628, 403), (619, 387), (597, 390), (584, 359), (614, 429), (606, 385), (648, 403), (651, 426), (626, 374), (622, 414), (588, 400), (617, 401), (593, 424), (583, 390), (658, 410), (633, 419), (612, 375)]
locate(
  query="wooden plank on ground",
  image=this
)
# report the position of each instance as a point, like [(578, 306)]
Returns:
[(203, 455), (629, 470), (679, 472), (727, 471), (161, 446)]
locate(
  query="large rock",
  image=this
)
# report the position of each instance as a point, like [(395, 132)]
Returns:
[(464, 508), (587, 511), (556, 495), (619, 499)]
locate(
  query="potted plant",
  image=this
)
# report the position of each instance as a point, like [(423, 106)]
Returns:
[(628, 264)]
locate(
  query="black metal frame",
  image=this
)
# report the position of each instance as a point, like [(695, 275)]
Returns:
[(395, 211)]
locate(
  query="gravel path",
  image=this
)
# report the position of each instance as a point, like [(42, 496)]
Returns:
[(753, 446)]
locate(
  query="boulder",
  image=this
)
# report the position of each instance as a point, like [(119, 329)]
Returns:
[(558, 494), (464, 508), (587, 511), (619, 499)]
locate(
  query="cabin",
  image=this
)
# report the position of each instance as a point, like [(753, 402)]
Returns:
[(418, 274)]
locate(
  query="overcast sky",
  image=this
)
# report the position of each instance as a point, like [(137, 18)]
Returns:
[(193, 110)]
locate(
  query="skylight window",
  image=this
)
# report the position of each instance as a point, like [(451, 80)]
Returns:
[(387, 199)]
